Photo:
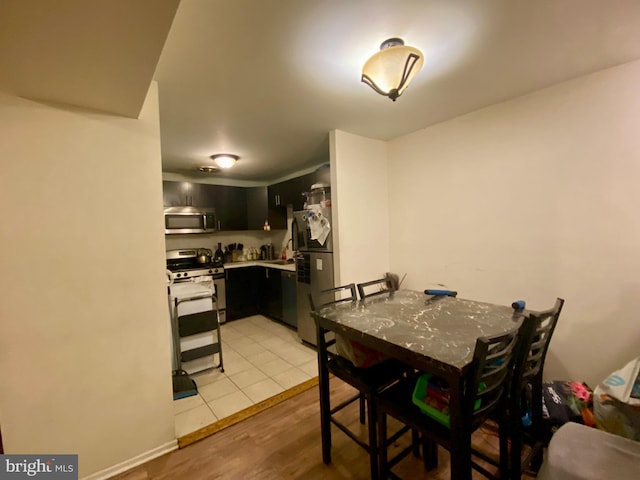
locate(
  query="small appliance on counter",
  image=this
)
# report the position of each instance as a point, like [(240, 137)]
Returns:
[(266, 252)]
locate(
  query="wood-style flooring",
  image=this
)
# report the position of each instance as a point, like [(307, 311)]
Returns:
[(283, 442)]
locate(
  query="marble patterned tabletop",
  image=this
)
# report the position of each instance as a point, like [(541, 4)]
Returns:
[(442, 328)]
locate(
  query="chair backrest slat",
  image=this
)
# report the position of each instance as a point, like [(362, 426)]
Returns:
[(492, 363), (530, 361), (379, 286), (332, 296)]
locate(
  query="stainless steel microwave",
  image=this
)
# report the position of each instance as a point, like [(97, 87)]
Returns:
[(189, 220)]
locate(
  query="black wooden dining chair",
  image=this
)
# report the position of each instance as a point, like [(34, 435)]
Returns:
[(374, 288), (525, 392), (368, 381), (491, 367)]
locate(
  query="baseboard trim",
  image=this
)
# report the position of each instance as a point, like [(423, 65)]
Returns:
[(133, 462), (226, 422)]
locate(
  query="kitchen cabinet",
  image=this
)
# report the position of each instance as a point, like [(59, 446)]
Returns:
[(181, 194), (286, 193), (258, 210), (243, 291), (268, 291), (230, 202), (290, 192), (245, 208), (271, 304), (289, 311), (188, 194), (231, 206), (257, 207)]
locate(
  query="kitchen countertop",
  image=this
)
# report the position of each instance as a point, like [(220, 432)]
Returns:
[(289, 267)]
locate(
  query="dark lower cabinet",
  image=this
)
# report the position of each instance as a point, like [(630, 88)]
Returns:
[(289, 310), (272, 294), (243, 291), (267, 291)]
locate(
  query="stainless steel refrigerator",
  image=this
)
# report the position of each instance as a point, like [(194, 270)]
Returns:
[(314, 263)]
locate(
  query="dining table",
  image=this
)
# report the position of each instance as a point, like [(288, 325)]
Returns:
[(432, 333)]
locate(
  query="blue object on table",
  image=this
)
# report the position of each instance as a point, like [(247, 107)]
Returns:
[(518, 305), (447, 293)]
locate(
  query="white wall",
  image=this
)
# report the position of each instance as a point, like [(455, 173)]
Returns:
[(84, 332), (532, 199), (359, 196)]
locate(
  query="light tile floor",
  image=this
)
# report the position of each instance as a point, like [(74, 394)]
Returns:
[(261, 359)]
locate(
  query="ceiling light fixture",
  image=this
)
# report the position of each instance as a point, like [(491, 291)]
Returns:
[(390, 70), (225, 160), (208, 169)]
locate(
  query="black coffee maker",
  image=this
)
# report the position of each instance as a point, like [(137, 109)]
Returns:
[(266, 252)]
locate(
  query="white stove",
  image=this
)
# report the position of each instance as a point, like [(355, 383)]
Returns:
[(189, 274)]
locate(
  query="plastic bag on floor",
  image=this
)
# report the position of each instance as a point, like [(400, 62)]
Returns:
[(616, 402)]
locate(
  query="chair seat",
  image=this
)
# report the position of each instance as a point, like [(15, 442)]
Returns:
[(367, 379)]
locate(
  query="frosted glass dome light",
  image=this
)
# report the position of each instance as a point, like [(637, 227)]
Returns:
[(390, 70), (225, 160)]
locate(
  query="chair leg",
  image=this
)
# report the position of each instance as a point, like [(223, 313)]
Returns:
[(382, 446), (221, 365), (430, 453), (505, 433), (536, 457), (515, 435), (415, 442), (373, 435), (362, 409), (325, 402)]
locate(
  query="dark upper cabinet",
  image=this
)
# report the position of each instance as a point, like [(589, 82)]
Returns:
[(186, 194), (291, 192), (230, 202), (259, 210), (245, 208), (231, 207), (286, 193), (257, 207), (181, 194), (174, 194)]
